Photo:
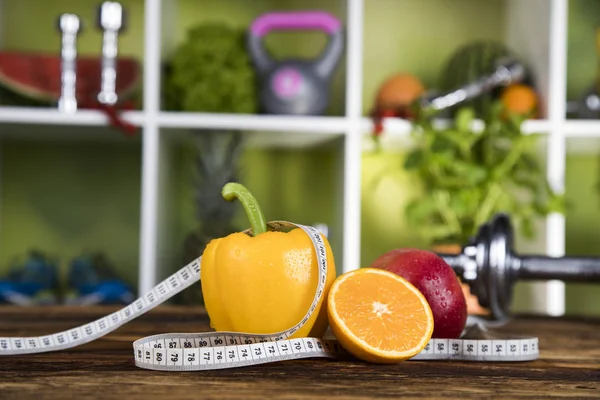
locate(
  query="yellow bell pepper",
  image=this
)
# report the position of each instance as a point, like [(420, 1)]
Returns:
[(264, 283)]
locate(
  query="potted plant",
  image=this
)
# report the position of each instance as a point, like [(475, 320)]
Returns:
[(467, 175), (211, 72)]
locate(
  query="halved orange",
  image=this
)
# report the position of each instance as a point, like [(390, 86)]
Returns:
[(378, 316)]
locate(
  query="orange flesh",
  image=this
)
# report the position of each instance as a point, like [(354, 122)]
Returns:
[(382, 312)]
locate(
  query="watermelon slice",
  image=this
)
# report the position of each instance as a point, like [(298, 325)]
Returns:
[(37, 77)]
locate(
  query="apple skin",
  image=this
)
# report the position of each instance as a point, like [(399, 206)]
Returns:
[(438, 282)]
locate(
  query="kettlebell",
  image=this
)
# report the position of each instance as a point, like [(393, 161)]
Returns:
[(295, 86)]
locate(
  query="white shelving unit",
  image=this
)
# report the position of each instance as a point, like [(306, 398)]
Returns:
[(537, 30)]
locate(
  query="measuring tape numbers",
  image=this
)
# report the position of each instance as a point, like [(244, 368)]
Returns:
[(220, 350)]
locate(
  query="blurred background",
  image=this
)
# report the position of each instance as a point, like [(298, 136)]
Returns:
[(102, 203)]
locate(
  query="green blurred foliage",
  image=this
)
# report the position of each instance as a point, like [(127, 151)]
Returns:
[(467, 176), (211, 72)]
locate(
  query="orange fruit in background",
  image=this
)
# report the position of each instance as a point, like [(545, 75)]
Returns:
[(398, 91), (520, 99), (378, 316)]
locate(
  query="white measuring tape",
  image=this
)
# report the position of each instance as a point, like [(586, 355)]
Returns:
[(219, 350)]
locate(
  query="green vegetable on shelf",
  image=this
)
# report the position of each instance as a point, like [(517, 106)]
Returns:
[(211, 72), (468, 175)]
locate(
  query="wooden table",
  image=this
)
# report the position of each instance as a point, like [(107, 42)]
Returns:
[(569, 365)]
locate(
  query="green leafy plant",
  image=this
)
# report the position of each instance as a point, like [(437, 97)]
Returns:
[(468, 175), (211, 72)]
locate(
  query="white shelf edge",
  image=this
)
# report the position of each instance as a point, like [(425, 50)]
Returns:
[(582, 128), (398, 126), (536, 126), (276, 123), (50, 116), (282, 123)]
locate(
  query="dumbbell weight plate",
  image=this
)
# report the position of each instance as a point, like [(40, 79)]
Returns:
[(500, 263)]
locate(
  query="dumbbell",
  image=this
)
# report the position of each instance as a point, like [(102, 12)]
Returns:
[(507, 71), (111, 19), (69, 26), (489, 265)]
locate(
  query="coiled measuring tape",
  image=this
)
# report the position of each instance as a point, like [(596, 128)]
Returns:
[(220, 350)]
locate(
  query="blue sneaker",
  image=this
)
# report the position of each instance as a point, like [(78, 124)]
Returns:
[(93, 281), (31, 282)]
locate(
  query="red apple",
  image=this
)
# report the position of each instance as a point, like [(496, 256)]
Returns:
[(438, 282)]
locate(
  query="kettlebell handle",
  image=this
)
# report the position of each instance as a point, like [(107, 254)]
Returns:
[(315, 20), (285, 21)]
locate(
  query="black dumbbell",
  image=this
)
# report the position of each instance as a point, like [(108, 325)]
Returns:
[(491, 267)]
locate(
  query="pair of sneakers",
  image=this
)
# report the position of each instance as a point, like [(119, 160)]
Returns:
[(90, 280)]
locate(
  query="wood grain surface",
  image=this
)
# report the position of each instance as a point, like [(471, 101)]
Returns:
[(569, 365)]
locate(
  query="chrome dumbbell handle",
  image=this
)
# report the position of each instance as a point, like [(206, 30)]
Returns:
[(110, 20), (69, 26), (543, 268), (568, 269), (506, 72), (491, 267)]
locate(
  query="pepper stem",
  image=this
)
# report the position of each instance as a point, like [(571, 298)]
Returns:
[(232, 191)]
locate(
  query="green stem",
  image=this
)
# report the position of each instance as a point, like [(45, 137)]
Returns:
[(446, 212), (232, 191), (511, 159), (487, 205)]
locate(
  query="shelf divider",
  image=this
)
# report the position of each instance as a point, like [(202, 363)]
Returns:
[(582, 128), (555, 227), (250, 122), (403, 127), (150, 147), (353, 143), (52, 116)]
